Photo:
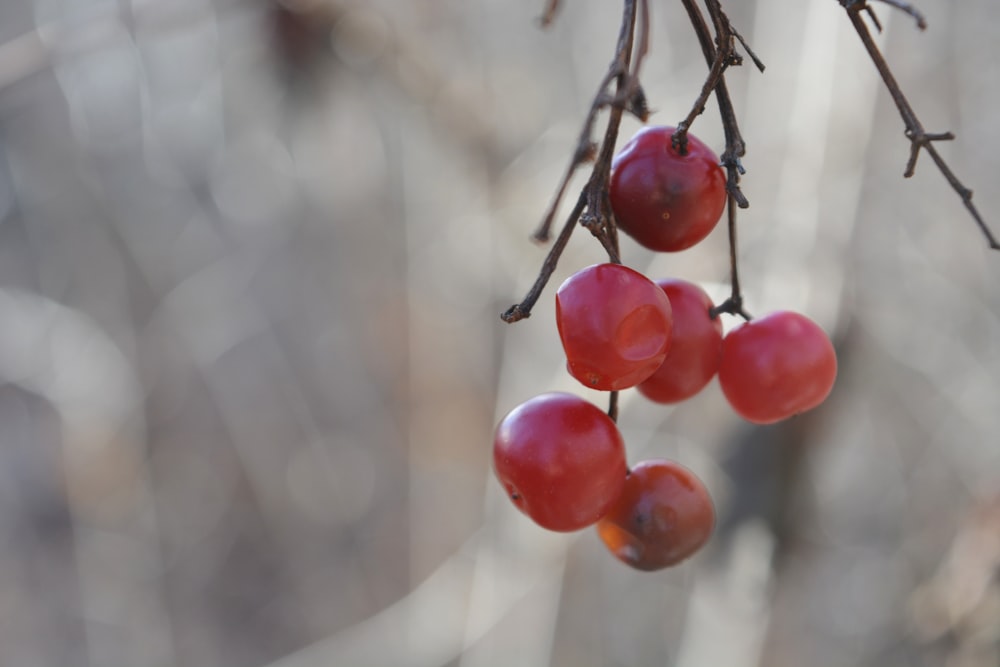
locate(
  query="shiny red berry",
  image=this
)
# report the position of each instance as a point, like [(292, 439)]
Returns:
[(561, 460), (664, 200), (615, 325), (695, 346), (776, 366), (663, 516)]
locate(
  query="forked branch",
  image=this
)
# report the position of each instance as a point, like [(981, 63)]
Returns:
[(919, 138), (592, 209), (719, 57)]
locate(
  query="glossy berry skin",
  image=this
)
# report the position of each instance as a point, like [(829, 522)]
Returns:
[(663, 516), (561, 460), (776, 366), (664, 200), (615, 325), (695, 346)]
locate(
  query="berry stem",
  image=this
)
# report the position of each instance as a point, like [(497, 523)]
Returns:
[(734, 304), (718, 61)]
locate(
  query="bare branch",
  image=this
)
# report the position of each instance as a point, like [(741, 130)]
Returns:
[(593, 210), (522, 310), (919, 138), (909, 9), (734, 304), (718, 62)]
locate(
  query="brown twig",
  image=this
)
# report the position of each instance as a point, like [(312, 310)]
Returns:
[(718, 61), (919, 138), (519, 311), (734, 304), (549, 15), (909, 9), (586, 151), (629, 96), (719, 56), (592, 210)]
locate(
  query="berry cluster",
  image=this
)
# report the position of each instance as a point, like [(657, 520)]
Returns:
[(561, 459)]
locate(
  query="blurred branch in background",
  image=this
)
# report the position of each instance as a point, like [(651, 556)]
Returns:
[(251, 260)]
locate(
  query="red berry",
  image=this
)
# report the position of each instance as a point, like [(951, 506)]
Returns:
[(776, 366), (664, 200), (695, 346), (615, 326), (663, 515), (561, 460)]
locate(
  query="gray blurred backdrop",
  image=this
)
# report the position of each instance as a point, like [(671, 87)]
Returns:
[(252, 257)]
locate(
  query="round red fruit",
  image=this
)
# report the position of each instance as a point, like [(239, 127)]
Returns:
[(776, 366), (615, 325), (695, 346), (663, 516), (664, 200), (561, 460)]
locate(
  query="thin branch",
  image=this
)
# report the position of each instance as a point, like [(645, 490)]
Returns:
[(718, 65), (522, 310), (720, 56), (919, 138), (643, 48), (592, 210), (716, 81), (904, 7), (549, 15), (585, 152), (909, 9), (734, 304), (599, 218), (874, 19), (629, 95), (746, 47)]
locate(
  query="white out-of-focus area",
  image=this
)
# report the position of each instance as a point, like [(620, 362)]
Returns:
[(252, 259)]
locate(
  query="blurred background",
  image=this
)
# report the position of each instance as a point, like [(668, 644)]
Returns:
[(252, 258)]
